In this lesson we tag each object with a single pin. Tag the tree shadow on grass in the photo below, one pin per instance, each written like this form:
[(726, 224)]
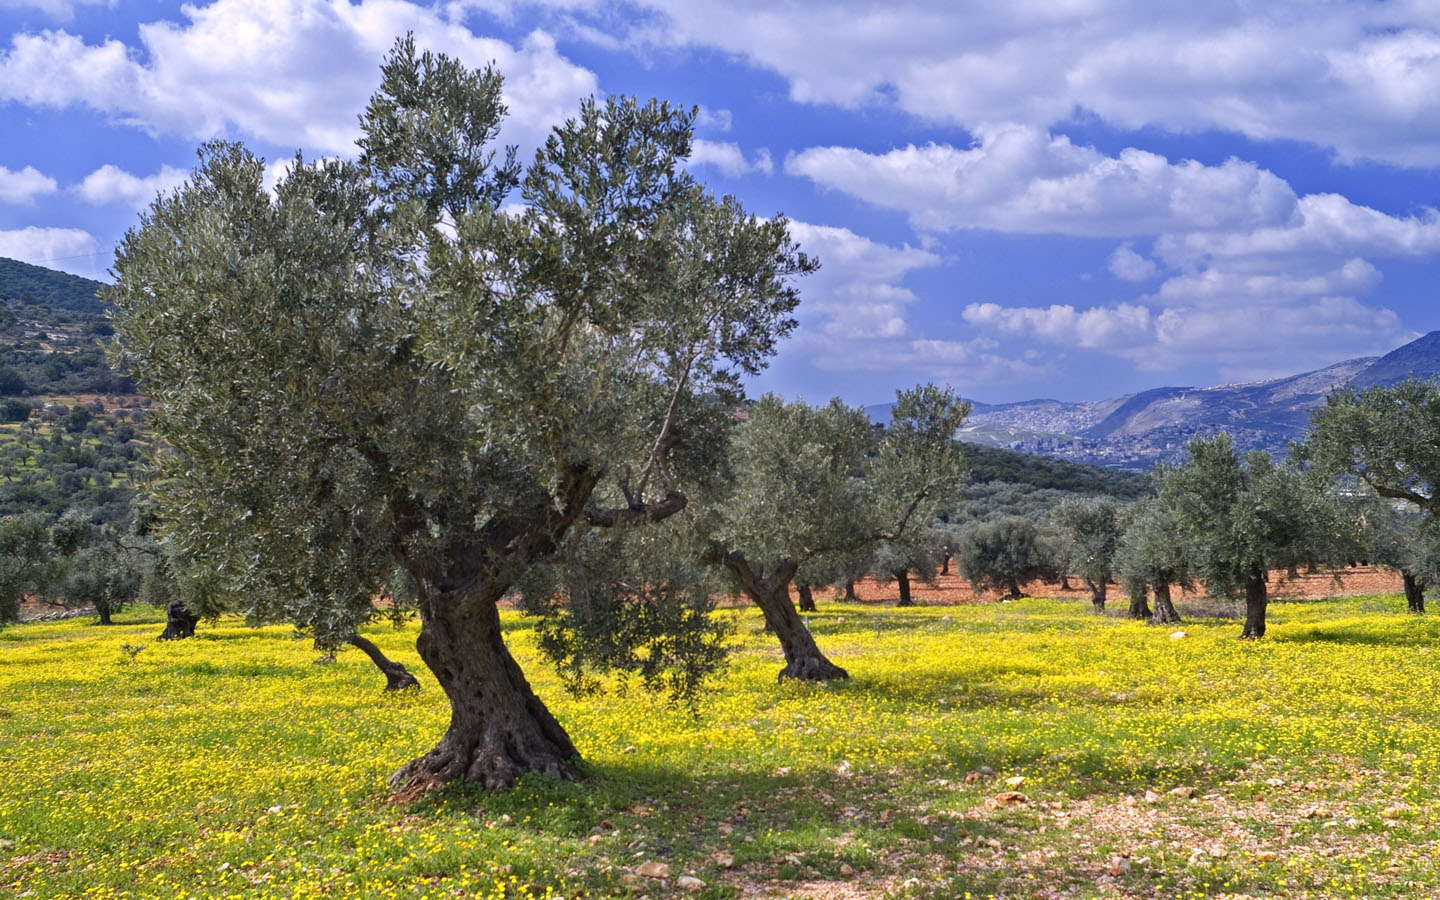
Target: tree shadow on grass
[(1425, 635)]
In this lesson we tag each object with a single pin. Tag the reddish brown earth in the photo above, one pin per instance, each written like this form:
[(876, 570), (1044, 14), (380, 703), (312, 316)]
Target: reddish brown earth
[(952, 589)]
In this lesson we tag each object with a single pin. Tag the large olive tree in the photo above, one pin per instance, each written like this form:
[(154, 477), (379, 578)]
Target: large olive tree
[(385, 363)]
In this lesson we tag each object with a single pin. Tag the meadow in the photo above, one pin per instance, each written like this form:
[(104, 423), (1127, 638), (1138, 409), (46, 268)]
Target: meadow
[(1025, 749)]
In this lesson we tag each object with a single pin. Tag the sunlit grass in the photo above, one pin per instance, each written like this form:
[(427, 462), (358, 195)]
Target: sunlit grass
[(232, 764)]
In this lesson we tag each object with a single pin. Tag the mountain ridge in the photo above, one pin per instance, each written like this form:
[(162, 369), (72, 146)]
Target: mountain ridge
[(1136, 431)]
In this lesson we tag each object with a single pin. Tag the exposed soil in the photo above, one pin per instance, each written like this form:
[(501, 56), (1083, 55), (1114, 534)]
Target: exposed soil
[(952, 589)]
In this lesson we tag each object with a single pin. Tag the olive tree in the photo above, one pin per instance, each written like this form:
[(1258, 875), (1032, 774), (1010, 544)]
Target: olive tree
[(1236, 518), (1002, 554), (383, 363), (810, 483), (1387, 438), (1091, 528), (29, 562), (1151, 555)]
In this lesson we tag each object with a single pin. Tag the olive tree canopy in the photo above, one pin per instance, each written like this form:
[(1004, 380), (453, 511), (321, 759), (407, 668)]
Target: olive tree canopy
[(379, 363)]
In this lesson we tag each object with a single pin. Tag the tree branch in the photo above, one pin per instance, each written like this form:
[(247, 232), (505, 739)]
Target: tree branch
[(637, 512)]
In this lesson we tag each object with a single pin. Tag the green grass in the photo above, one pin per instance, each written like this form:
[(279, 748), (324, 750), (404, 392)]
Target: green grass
[(232, 765)]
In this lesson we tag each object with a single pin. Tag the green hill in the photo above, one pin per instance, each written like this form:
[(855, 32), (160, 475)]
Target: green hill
[(23, 285)]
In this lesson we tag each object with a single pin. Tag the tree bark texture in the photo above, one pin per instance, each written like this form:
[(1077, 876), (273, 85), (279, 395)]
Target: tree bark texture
[(1139, 606), (499, 730), (179, 622), (850, 591), (1015, 592), (902, 578), (1165, 613), (103, 609), (1097, 594), (397, 677), (1414, 592), (807, 598), (803, 659), (1256, 599)]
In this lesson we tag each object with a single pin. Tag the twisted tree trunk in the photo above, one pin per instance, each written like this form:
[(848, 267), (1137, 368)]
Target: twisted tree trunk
[(179, 622), (1256, 600), (807, 597), (1097, 594), (1139, 606), (1414, 592), (902, 578), (397, 677), (1165, 613), (803, 659), (499, 730)]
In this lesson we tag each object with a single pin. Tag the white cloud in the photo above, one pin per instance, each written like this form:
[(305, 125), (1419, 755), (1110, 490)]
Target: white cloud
[(1019, 179), (857, 294), (728, 158), (1099, 327), (63, 10), (110, 184), (1128, 265), (24, 185), (714, 119), (1360, 77), (68, 249), (293, 73)]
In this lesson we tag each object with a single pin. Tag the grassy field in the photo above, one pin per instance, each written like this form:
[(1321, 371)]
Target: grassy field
[(1026, 749)]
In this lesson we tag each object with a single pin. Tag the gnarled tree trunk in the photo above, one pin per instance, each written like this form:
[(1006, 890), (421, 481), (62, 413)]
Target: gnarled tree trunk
[(902, 578), (1097, 594), (1015, 592), (850, 591), (103, 609), (1255, 602), (1414, 592), (1165, 613), (499, 730), (179, 622), (397, 677), (803, 659), (807, 597), (1139, 606)]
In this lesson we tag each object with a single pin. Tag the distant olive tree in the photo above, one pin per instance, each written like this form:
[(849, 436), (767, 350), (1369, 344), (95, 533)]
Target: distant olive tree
[(1091, 527), (1387, 440), (1151, 555), (29, 562), (1235, 517), (1002, 554), (811, 482)]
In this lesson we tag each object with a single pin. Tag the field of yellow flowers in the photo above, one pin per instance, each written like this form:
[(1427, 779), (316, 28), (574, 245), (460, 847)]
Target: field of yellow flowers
[(1026, 749)]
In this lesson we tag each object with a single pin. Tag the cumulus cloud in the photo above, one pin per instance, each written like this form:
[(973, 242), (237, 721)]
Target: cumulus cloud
[(56, 9), (729, 159), (1360, 77), (292, 73), (1024, 180), (857, 293), (110, 184), (25, 185), (68, 249), (1128, 265)]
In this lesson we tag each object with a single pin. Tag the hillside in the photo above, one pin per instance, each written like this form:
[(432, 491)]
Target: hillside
[(1138, 430), (23, 285)]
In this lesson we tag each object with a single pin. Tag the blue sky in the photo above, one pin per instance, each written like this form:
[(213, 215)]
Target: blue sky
[(1059, 198)]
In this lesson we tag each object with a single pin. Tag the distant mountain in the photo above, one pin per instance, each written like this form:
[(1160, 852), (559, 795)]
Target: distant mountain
[(22, 284), (1138, 430)]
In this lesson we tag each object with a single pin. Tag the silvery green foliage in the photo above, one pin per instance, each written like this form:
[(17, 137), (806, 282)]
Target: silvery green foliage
[(1002, 554), (380, 364), (1151, 550), (1091, 528), (1387, 437), (1236, 517), (29, 562)]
